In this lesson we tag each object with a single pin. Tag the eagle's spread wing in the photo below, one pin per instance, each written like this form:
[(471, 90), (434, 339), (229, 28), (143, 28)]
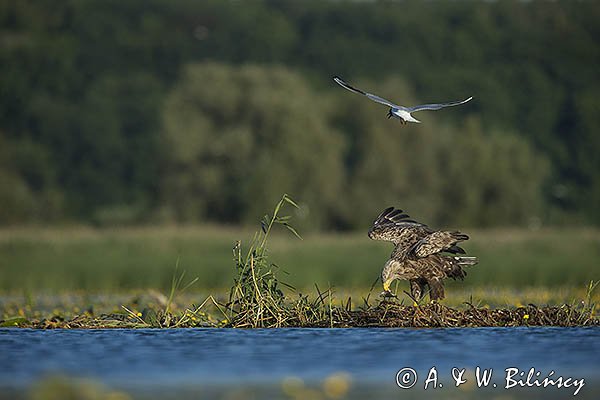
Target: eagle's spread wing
[(395, 226), (439, 241)]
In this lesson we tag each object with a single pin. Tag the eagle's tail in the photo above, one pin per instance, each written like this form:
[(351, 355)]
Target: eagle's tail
[(455, 268)]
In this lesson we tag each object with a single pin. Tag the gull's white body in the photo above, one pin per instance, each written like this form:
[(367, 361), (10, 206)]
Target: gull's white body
[(396, 111), (403, 115)]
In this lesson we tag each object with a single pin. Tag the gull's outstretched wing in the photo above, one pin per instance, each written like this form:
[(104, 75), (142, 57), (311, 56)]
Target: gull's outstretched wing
[(373, 97), (436, 106)]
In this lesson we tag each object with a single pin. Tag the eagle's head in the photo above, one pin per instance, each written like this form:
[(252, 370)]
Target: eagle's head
[(390, 272)]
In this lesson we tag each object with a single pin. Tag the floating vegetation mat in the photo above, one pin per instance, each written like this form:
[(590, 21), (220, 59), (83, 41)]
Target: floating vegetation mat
[(386, 314), (439, 316)]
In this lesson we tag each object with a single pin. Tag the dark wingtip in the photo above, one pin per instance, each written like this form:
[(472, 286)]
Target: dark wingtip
[(394, 215), (456, 250), (385, 212)]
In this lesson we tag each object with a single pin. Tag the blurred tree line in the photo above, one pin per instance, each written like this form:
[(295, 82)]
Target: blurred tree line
[(150, 110)]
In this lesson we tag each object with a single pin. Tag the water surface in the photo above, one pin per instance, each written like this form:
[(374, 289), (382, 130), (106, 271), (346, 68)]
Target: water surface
[(147, 362)]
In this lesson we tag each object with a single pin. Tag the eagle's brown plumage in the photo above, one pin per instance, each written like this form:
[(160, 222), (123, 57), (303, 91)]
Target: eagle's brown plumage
[(418, 254)]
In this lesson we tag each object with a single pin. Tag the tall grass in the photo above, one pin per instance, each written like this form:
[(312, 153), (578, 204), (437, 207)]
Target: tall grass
[(256, 299)]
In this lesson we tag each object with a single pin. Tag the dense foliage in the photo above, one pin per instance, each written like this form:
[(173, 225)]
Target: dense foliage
[(146, 110)]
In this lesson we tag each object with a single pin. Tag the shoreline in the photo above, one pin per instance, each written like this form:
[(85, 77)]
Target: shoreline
[(384, 315)]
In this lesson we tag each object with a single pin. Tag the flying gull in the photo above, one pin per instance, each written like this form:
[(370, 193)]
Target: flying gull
[(396, 111)]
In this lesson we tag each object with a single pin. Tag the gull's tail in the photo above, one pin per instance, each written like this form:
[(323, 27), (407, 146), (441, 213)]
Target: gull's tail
[(412, 119)]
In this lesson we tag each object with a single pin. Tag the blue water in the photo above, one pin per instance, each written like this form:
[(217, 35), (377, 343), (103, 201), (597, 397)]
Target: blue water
[(155, 362)]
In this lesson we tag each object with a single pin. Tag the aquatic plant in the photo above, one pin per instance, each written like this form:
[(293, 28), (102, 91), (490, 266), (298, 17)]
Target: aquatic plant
[(256, 299)]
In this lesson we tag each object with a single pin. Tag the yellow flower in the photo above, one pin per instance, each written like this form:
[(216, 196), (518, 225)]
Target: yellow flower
[(526, 316), (139, 314)]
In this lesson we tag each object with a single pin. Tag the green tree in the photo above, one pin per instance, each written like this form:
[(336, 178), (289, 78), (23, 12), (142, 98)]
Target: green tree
[(235, 138), (28, 190), (490, 179), (85, 82)]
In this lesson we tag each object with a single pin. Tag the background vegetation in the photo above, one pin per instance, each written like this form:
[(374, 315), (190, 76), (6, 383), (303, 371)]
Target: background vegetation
[(112, 261), (174, 125), (150, 111)]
